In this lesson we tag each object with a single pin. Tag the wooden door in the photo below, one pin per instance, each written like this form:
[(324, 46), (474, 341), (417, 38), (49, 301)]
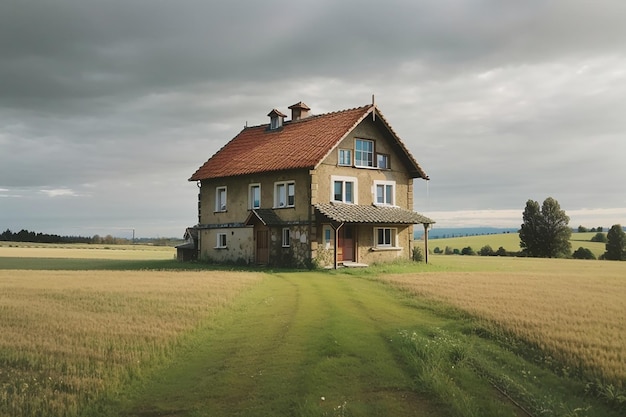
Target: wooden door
[(262, 246), (345, 244)]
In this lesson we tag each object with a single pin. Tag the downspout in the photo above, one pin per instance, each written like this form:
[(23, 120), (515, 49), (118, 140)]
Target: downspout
[(426, 242)]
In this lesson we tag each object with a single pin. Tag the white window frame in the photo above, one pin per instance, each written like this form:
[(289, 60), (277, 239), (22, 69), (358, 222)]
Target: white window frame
[(251, 189), (277, 197), (221, 206), (327, 237), (393, 236), (221, 241), (341, 159), (358, 161), (286, 238), (385, 158), (389, 197), (344, 180)]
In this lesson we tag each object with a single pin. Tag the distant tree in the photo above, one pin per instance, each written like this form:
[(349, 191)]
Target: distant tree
[(7, 235), (437, 250), (600, 229), (501, 251), (486, 251), (616, 244), (582, 229), (599, 237), (545, 232), (583, 253), (468, 251), (448, 250)]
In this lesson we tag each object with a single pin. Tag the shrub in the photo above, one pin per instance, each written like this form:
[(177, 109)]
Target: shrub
[(583, 253), (448, 250), (486, 251), (418, 256), (599, 237), (468, 251), (501, 252)]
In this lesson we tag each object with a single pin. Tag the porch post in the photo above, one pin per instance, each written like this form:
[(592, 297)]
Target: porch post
[(336, 263), (426, 242)]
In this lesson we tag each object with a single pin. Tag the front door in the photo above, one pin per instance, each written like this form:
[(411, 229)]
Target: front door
[(262, 237), (345, 244)]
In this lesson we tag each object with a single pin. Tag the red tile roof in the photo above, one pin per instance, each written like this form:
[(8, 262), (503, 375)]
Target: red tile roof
[(296, 145)]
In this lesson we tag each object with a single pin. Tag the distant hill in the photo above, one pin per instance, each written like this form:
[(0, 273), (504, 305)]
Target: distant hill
[(442, 233)]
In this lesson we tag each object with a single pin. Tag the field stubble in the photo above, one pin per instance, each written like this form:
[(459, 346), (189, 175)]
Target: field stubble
[(65, 334), (572, 310)]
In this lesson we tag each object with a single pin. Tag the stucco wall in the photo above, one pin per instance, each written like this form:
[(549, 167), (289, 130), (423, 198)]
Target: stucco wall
[(239, 245), (238, 204)]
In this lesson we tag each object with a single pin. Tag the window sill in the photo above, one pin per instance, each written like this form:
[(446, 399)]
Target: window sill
[(385, 248), (220, 211), (220, 247), (282, 207)]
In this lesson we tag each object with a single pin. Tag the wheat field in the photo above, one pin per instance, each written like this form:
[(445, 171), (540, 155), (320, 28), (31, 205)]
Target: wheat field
[(63, 334), (573, 310)]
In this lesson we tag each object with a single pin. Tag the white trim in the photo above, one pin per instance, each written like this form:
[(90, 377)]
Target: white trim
[(221, 206), (384, 184), (219, 244), (344, 179), (349, 164), (251, 198), (286, 184), (393, 238), (286, 233), (356, 164)]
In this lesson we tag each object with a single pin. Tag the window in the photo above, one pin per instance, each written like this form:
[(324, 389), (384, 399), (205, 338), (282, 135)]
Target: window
[(221, 240), (385, 236), (345, 157), (382, 161), (286, 237), (385, 193), (343, 189), (327, 237), (255, 196), (220, 199), (285, 194), (364, 153)]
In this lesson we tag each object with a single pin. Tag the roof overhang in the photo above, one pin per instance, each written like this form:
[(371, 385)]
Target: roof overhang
[(353, 213)]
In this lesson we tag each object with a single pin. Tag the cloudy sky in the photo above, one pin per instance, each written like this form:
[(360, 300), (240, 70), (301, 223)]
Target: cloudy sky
[(108, 107)]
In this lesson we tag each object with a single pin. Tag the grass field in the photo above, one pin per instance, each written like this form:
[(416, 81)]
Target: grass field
[(452, 338), (84, 251)]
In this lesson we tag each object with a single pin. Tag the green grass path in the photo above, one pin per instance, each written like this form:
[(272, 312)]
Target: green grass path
[(298, 344)]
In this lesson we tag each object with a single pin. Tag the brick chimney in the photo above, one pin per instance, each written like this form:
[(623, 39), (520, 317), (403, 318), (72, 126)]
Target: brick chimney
[(299, 111)]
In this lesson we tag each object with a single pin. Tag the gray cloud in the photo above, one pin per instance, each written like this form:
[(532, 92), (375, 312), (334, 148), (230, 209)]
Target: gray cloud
[(119, 102)]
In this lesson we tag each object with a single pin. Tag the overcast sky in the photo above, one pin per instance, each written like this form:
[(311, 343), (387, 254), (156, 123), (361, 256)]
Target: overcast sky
[(107, 107)]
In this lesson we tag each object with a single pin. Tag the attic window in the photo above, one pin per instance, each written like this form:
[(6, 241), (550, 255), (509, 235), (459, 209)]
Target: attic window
[(276, 119)]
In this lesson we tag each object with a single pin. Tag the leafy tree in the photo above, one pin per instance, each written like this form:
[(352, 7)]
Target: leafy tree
[(616, 244), (501, 251), (545, 232), (583, 253), (486, 251), (599, 237), (468, 251), (582, 229)]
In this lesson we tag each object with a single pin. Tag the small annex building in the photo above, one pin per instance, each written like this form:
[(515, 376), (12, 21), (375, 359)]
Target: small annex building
[(317, 190)]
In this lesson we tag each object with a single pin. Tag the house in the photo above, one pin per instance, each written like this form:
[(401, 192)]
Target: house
[(326, 190), (188, 250)]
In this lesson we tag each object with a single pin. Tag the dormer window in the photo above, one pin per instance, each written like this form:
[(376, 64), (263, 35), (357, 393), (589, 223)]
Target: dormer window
[(276, 119)]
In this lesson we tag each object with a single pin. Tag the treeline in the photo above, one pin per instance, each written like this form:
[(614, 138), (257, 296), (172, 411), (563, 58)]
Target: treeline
[(28, 236)]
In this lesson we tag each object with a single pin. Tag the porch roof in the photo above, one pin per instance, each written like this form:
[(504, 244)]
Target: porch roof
[(268, 217), (353, 213)]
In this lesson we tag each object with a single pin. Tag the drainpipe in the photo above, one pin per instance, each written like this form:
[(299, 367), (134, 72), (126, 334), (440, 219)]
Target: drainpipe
[(426, 242)]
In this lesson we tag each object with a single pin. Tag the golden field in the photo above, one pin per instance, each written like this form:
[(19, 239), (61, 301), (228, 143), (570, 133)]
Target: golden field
[(84, 251), (65, 336), (574, 310)]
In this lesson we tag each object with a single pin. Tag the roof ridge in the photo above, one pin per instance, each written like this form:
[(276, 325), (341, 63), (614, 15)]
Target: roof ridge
[(315, 116)]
